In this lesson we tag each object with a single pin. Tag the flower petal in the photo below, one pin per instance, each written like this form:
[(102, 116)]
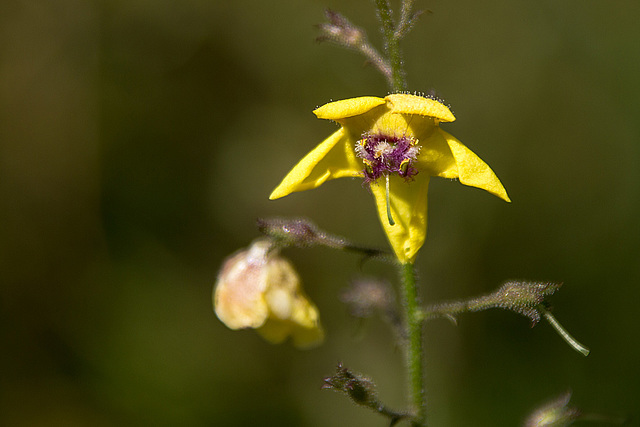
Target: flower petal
[(290, 310), (275, 330), (304, 336), (413, 104), (347, 107), (307, 331), (408, 202), (435, 156), (332, 158), (400, 125), (473, 171), (238, 296)]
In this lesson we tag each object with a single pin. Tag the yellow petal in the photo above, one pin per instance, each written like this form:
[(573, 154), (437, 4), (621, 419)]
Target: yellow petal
[(435, 156), (400, 125), (307, 331), (408, 202), (275, 330), (347, 107), (333, 158), (412, 104), (290, 311), (473, 171), (238, 297)]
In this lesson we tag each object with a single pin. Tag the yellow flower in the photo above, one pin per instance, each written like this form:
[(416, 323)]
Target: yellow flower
[(395, 144), (257, 288)]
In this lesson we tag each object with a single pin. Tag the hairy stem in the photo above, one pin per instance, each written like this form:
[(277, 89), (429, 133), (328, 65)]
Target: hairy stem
[(377, 60), (414, 349), (392, 44)]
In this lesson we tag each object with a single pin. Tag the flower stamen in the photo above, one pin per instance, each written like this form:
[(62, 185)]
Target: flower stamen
[(383, 155)]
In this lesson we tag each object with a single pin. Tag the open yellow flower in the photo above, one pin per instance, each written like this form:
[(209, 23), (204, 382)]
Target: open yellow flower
[(395, 144), (257, 288)]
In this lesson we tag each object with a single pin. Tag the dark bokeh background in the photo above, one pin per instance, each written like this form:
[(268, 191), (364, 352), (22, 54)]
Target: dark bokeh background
[(139, 141)]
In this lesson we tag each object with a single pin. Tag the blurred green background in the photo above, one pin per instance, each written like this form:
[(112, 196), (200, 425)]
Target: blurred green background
[(139, 141)]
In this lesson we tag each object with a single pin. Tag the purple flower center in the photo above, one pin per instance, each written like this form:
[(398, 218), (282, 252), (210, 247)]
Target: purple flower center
[(384, 155)]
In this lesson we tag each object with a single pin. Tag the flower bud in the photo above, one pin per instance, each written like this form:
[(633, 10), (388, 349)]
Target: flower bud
[(367, 295), (339, 30), (359, 388), (301, 232), (257, 288), (556, 413), (291, 231), (362, 391), (524, 297)]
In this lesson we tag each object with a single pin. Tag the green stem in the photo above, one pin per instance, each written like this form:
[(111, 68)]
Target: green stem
[(392, 43), (414, 351)]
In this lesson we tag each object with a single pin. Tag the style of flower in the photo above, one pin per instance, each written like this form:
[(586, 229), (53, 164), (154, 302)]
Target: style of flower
[(257, 288), (395, 144)]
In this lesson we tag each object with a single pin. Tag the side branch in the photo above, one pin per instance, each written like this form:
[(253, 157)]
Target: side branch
[(525, 298)]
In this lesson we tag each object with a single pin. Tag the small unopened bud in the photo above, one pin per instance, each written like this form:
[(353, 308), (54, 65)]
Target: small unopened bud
[(291, 231), (342, 32), (257, 288), (301, 232), (556, 413), (528, 299), (362, 391), (524, 297), (358, 387), (365, 296), (339, 30)]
